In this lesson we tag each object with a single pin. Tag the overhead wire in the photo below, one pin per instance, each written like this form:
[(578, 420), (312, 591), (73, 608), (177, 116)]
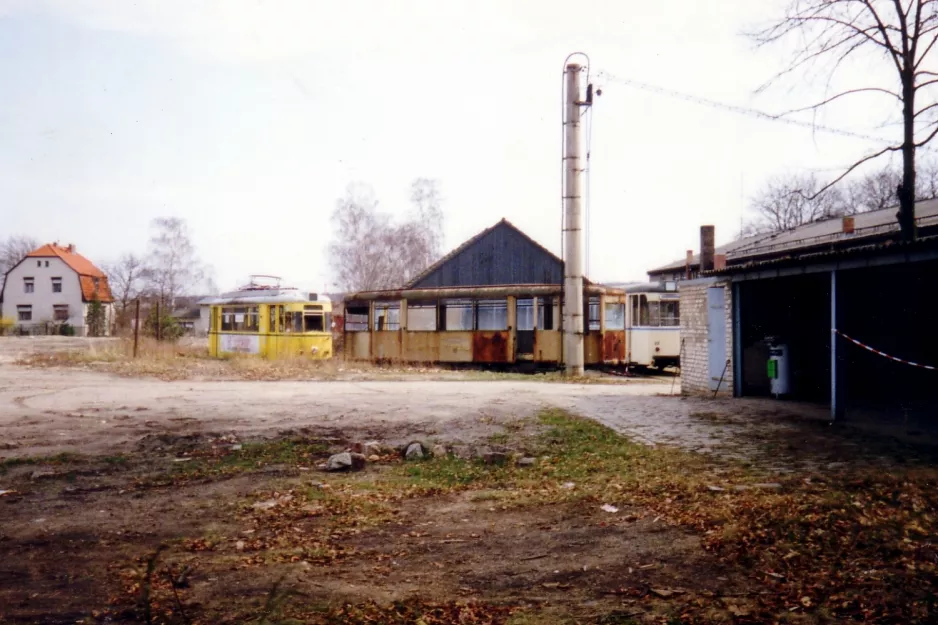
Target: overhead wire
[(742, 110)]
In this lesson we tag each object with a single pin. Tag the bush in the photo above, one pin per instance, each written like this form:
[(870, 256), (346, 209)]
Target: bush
[(6, 325), (169, 329), (67, 330)]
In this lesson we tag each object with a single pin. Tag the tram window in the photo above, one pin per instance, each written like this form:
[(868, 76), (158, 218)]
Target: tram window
[(421, 316), (615, 316), (636, 318), (252, 320), (313, 323), (492, 314), (457, 315), (525, 314), (387, 316), (272, 319), (545, 313), (594, 314), (644, 318), (654, 314), (297, 321), (356, 319), (670, 313)]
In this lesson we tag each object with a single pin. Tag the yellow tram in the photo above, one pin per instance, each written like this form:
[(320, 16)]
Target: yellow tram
[(271, 322)]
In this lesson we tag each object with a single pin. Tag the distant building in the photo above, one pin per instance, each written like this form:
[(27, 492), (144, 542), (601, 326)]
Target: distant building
[(54, 286)]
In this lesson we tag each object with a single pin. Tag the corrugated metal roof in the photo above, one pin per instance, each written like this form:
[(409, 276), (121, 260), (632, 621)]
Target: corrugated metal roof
[(889, 245), (828, 231)]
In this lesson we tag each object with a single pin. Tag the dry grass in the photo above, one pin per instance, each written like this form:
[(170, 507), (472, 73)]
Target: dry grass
[(189, 360)]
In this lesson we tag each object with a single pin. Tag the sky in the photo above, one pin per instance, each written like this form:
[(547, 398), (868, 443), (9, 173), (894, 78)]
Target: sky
[(248, 118)]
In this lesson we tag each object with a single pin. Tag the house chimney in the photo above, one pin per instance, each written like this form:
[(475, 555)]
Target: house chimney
[(706, 248), (719, 261), (687, 263), (70, 249), (849, 225)]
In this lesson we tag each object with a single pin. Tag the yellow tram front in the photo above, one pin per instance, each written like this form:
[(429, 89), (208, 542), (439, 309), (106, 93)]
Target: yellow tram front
[(276, 324)]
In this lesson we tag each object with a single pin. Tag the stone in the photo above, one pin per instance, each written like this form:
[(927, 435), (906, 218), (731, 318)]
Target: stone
[(265, 505), (372, 448), (526, 462), (438, 451), (345, 461), (495, 458), (339, 462), (239, 545), (374, 458), (414, 451), (716, 489)]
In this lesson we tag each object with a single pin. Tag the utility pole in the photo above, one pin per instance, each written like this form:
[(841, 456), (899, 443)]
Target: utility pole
[(573, 222)]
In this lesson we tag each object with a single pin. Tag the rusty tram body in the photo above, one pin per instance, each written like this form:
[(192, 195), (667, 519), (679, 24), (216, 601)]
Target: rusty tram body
[(494, 325)]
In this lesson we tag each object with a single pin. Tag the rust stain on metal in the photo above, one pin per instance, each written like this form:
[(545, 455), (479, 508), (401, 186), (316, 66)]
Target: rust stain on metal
[(613, 345), (490, 347)]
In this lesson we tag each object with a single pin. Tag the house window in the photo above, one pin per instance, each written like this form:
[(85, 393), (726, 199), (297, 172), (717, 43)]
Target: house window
[(47, 263), (56, 285), (60, 312), (24, 313), (29, 285), (39, 263), (387, 316)]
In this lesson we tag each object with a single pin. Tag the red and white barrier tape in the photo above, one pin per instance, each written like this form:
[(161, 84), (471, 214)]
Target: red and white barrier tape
[(884, 354)]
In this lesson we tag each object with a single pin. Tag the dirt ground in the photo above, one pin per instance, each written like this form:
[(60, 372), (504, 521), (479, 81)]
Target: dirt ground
[(100, 471)]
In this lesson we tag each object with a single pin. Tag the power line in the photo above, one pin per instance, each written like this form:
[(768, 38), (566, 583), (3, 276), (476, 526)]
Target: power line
[(741, 110)]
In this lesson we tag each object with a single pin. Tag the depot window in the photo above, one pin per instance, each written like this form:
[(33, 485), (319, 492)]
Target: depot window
[(456, 315), (545, 313), (492, 314), (421, 316), (593, 315), (387, 316), (525, 314), (356, 319), (615, 316)]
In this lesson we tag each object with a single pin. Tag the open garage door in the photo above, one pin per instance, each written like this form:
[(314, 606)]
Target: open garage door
[(794, 312)]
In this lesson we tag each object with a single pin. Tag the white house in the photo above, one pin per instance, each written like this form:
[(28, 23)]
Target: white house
[(53, 286)]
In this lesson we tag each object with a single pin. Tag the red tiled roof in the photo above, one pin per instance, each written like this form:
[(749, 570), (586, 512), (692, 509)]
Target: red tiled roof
[(93, 281)]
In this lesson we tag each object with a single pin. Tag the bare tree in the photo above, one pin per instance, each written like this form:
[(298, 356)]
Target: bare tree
[(370, 251), (902, 33), (127, 277), (174, 267), (13, 249), (428, 212), (789, 202)]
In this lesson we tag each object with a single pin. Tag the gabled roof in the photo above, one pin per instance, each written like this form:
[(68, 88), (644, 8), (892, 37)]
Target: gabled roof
[(471, 241), (93, 281)]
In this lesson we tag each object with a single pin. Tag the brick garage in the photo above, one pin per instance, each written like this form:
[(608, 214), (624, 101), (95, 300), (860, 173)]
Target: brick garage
[(697, 374)]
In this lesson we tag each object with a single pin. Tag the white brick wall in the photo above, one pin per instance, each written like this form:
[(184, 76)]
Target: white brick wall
[(695, 359)]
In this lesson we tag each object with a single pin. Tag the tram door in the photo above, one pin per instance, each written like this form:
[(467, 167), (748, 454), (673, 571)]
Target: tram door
[(524, 332)]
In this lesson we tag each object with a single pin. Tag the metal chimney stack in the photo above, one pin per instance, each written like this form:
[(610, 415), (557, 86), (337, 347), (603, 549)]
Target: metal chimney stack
[(573, 224)]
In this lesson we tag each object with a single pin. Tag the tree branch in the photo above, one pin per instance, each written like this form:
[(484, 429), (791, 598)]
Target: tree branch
[(929, 138), (839, 95), (882, 29), (929, 107), (865, 159)]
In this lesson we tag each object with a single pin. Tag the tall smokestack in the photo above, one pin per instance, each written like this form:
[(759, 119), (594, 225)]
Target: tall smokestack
[(573, 224), (707, 248), (689, 260)]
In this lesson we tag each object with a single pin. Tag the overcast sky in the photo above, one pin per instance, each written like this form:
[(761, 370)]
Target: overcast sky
[(248, 118)]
